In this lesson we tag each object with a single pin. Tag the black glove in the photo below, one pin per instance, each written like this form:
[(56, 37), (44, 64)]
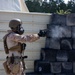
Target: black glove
[(42, 33)]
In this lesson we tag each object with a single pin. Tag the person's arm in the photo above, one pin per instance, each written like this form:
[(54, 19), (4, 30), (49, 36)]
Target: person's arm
[(24, 38), (28, 38)]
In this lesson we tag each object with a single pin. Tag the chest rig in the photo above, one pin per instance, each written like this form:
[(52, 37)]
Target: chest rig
[(19, 47)]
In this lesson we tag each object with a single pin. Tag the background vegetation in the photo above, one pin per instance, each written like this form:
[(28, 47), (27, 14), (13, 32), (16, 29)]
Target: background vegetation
[(51, 7)]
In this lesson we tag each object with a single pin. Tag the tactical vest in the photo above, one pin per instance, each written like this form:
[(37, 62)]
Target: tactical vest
[(20, 47)]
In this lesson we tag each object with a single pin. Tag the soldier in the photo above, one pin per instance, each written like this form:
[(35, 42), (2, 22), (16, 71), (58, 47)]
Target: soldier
[(14, 44)]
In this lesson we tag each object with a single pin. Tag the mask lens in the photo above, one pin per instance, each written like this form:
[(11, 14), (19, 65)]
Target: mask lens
[(20, 30)]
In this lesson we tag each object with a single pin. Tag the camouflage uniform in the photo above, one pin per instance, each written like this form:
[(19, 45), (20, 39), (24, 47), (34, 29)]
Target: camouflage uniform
[(16, 68)]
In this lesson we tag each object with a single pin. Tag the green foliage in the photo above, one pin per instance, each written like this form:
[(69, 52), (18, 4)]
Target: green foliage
[(53, 6), (33, 6), (63, 12)]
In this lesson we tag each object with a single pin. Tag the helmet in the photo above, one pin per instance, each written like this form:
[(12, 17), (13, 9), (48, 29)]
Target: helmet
[(14, 23)]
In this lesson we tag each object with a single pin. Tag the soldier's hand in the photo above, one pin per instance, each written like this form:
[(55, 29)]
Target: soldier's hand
[(42, 33)]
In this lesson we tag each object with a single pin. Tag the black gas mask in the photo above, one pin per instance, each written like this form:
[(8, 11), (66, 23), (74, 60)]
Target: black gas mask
[(19, 30)]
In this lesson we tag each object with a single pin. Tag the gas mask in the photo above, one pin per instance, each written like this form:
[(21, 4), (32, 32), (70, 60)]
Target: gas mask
[(19, 30)]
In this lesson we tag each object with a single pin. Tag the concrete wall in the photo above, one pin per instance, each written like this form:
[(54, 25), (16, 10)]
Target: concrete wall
[(32, 23)]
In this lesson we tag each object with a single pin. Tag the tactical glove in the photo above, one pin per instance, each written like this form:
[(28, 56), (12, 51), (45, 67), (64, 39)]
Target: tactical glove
[(42, 33)]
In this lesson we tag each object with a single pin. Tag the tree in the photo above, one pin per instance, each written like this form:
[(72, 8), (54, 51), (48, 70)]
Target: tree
[(71, 6), (45, 7), (62, 6), (33, 6), (53, 6)]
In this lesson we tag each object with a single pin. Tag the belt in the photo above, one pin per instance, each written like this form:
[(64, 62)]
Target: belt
[(13, 60), (19, 57)]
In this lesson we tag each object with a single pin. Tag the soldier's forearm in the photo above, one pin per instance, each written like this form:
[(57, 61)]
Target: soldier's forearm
[(33, 38)]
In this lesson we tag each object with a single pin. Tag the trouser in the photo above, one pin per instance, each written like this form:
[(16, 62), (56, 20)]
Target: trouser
[(15, 68)]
